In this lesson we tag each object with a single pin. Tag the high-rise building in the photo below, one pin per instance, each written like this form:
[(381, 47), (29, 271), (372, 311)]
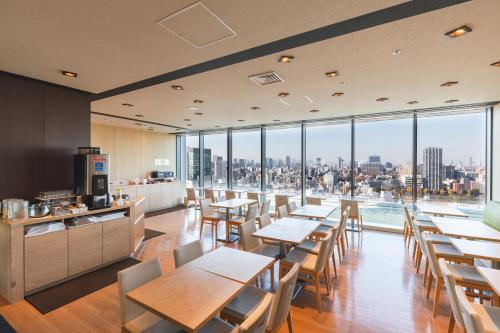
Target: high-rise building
[(340, 162), (287, 163), (374, 159), (433, 167), (193, 163)]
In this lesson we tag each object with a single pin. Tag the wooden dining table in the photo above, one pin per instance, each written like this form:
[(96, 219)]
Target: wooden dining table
[(465, 228), (233, 264), (229, 205), (440, 210), (313, 211), (478, 249), (492, 276), (188, 296)]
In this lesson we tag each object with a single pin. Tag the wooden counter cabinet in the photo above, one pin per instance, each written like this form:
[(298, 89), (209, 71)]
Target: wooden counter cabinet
[(115, 239), (84, 247)]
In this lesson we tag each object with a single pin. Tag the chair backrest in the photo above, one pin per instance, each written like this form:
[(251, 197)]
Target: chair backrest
[(354, 207), (343, 221), (265, 220), (282, 299), (292, 206), (313, 201), (282, 211), (472, 321), (187, 252), (210, 194), (248, 242), (432, 259), (324, 249), (191, 195), (230, 195), (256, 321), (264, 209), (491, 214), (450, 283), (132, 278), (407, 215), (252, 213), (253, 196), (280, 200), (206, 209)]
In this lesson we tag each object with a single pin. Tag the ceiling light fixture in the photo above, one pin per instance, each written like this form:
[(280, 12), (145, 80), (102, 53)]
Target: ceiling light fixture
[(193, 108), (198, 101), (255, 108), (332, 74), (189, 125), (337, 94), (314, 111), (241, 120), (198, 113), (496, 64), (216, 126), (382, 99), (139, 116), (175, 87), (412, 102), (458, 32), (286, 59), (396, 51), (451, 101), (151, 129), (283, 94), (128, 105), (276, 120), (69, 74), (138, 124), (449, 83), (187, 119)]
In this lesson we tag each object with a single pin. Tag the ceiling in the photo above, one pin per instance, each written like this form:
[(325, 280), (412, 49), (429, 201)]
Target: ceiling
[(123, 44)]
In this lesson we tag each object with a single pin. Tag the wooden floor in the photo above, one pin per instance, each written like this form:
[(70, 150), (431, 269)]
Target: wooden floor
[(376, 291)]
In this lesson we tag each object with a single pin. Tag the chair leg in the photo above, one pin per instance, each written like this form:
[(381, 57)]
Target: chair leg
[(271, 270), (429, 284), (437, 294), (326, 273), (419, 261), (346, 239), (334, 265), (342, 245), (289, 321), (414, 248), (201, 228), (426, 270), (451, 324), (410, 234), (318, 294), (338, 251)]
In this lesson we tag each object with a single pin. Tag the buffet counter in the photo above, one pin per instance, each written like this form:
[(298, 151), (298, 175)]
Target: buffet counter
[(34, 256)]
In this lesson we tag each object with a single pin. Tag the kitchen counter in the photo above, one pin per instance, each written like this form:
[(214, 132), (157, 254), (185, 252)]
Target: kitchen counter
[(158, 196)]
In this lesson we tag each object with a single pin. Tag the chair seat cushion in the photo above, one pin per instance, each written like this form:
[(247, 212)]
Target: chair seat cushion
[(309, 246), (467, 273), (242, 306), (447, 251), (215, 216), (323, 229), (150, 323), (436, 238), (306, 260), (268, 250), (216, 325), (426, 224), (329, 223), (238, 220), (490, 317)]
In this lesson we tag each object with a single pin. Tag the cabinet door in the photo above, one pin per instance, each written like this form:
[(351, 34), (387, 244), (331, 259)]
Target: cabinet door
[(45, 259), (85, 247), (166, 195), (178, 193), (142, 191), (154, 192), (115, 239)]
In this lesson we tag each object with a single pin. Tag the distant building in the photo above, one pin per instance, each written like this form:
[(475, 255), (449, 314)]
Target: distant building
[(340, 162), (433, 166), (374, 159)]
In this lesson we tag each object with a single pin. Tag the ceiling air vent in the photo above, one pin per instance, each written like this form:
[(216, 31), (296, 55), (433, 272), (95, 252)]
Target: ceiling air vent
[(265, 79)]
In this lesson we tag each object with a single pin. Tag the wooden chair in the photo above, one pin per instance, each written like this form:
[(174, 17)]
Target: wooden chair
[(313, 201), (355, 214), (291, 206), (254, 245), (265, 220), (191, 197), (264, 209), (283, 211), (478, 318), (280, 200), (210, 194), (254, 196), (210, 216), (243, 305), (230, 195), (251, 215), (187, 252), (450, 283), (312, 266)]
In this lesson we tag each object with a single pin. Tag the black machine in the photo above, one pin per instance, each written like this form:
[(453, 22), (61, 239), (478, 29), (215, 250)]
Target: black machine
[(162, 174), (91, 179)]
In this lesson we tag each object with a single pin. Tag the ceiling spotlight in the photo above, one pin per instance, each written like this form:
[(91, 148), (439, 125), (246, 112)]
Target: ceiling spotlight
[(177, 87), (127, 105), (449, 83), (255, 108), (283, 94), (276, 120), (332, 74), (314, 111), (139, 116), (396, 51), (216, 126), (412, 102), (382, 99), (198, 113), (187, 119), (69, 74), (193, 108), (496, 64), (451, 101), (458, 32), (178, 129), (138, 124), (241, 120), (198, 101), (151, 129), (286, 59), (189, 125), (342, 83), (337, 94)]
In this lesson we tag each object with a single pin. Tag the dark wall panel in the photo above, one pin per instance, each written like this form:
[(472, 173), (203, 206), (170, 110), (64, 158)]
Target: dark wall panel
[(41, 126)]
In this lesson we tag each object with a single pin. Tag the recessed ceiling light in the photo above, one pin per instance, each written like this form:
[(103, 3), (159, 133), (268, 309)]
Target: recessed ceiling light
[(151, 129), (283, 94), (198, 113), (193, 108), (451, 101), (198, 101), (189, 125), (107, 119), (276, 120), (382, 99), (396, 51), (314, 111), (139, 124), (342, 83), (241, 120), (177, 129), (332, 74), (337, 94), (69, 74), (175, 87), (458, 32), (216, 126), (187, 119), (128, 105), (139, 115), (286, 59), (255, 108), (412, 102), (449, 83), (496, 64)]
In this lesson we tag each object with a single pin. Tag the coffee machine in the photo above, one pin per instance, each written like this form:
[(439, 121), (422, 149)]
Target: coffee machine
[(91, 177)]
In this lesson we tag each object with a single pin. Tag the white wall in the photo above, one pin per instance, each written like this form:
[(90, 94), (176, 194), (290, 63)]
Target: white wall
[(496, 153), (133, 152)]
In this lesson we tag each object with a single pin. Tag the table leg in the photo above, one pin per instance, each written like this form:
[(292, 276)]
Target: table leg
[(230, 238), (282, 250)]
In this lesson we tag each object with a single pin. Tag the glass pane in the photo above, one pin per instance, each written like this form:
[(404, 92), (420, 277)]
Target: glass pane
[(452, 159), (283, 162), (383, 172), (328, 167), (246, 159), (215, 160), (192, 160)]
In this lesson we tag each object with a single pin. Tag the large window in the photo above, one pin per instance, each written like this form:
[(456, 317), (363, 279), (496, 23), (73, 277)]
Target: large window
[(328, 161), (246, 159), (192, 161), (215, 159), (451, 158)]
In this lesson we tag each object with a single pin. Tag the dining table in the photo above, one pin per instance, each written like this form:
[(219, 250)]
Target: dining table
[(492, 276), (440, 210), (313, 211), (228, 206), (465, 228), (478, 249)]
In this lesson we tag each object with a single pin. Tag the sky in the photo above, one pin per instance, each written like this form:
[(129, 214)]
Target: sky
[(460, 136)]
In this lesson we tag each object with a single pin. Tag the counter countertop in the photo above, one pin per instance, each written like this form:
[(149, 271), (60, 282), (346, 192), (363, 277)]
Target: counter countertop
[(134, 185)]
